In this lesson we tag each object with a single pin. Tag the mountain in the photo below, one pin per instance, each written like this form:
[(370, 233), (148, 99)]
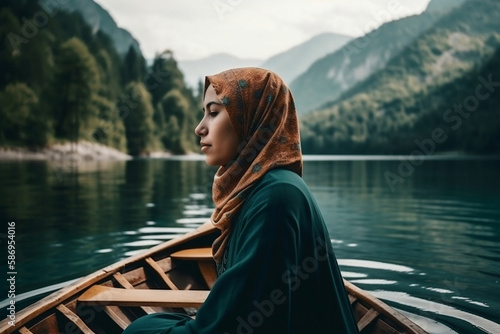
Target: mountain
[(291, 63), (196, 70), (335, 73), (440, 93), (99, 19), (443, 5), (288, 64)]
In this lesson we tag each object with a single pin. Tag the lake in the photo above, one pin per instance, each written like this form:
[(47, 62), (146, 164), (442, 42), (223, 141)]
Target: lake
[(425, 238)]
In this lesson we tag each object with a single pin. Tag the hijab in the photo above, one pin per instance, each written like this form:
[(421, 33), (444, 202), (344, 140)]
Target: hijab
[(263, 115)]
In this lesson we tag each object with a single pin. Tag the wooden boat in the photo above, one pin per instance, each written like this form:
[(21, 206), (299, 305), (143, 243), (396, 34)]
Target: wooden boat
[(175, 276)]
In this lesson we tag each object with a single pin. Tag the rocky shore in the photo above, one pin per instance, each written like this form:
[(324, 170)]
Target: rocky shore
[(81, 151)]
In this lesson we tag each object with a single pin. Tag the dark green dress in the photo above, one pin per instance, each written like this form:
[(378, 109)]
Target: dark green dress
[(279, 273)]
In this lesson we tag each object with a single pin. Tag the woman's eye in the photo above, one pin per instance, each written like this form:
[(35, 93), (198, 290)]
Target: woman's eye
[(213, 113)]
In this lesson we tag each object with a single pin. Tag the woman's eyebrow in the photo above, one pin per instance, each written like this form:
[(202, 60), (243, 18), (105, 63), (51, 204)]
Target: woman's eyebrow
[(210, 103)]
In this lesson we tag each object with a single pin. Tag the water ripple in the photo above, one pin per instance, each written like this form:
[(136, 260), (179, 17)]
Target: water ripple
[(374, 265), (145, 230), (437, 308), (374, 281), (192, 220), (142, 243)]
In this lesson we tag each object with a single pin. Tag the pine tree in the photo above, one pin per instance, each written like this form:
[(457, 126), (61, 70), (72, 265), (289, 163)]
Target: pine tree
[(21, 123), (138, 119), (110, 130), (134, 67), (77, 82)]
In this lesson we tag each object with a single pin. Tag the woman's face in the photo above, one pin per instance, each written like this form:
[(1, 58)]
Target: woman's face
[(218, 141)]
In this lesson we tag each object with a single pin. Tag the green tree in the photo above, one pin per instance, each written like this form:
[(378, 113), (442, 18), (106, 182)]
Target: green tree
[(110, 86), (176, 108), (110, 130), (138, 119), (134, 67), (77, 82), (21, 122), (78, 79), (169, 76), (9, 30)]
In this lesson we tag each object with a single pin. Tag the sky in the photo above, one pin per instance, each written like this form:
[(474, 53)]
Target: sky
[(248, 29)]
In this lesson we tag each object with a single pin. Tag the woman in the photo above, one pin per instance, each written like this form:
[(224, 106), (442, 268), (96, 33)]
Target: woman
[(277, 271)]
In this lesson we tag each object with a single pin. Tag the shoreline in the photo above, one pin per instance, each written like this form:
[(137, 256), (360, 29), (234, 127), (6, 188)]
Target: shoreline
[(86, 151), (81, 151)]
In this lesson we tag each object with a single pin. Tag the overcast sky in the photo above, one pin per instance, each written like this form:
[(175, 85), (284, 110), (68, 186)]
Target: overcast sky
[(194, 29)]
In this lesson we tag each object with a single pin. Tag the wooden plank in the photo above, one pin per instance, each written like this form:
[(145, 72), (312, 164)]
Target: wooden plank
[(120, 279), (74, 319), (382, 327), (56, 298), (193, 254), (205, 260), (208, 272), (156, 267), (404, 324), (367, 319), (138, 276), (135, 276), (124, 283), (100, 295), (117, 316), (359, 310), (24, 330), (352, 299), (48, 325)]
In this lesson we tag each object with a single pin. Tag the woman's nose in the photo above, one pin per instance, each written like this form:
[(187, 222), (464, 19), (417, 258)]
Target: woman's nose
[(200, 130)]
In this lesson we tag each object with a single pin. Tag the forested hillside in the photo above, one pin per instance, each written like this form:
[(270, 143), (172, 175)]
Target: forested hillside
[(339, 71), (291, 63), (99, 19), (62, 80), (335, 73), (448, 79)]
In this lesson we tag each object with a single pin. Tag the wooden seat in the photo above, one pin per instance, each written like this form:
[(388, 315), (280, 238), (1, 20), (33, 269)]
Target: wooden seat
[(205, 261), (102, 295), (194, 254)]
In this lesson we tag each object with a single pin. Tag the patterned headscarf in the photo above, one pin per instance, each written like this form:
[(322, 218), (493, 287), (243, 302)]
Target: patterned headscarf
[(262, 112)]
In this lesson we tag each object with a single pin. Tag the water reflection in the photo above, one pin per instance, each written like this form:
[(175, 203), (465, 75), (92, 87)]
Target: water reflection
[(443, 223), (464, 320), (430, 247)]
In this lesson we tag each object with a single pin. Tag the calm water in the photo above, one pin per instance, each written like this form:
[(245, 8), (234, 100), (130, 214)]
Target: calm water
[(429, 247)]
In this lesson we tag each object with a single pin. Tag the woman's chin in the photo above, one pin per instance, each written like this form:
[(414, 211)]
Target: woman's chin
[(210, 161), (216, 162)]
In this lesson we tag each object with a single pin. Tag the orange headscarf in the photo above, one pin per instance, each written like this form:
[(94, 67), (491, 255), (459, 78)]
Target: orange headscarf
[(263, 115)]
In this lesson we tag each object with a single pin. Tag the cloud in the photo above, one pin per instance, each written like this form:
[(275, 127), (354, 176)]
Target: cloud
[(247, 29)]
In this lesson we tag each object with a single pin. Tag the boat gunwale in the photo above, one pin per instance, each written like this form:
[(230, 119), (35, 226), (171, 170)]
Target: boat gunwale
[(76, 288), (382, 308)]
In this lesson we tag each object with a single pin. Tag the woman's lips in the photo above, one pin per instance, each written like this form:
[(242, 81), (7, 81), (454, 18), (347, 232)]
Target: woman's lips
[(205, 146)]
